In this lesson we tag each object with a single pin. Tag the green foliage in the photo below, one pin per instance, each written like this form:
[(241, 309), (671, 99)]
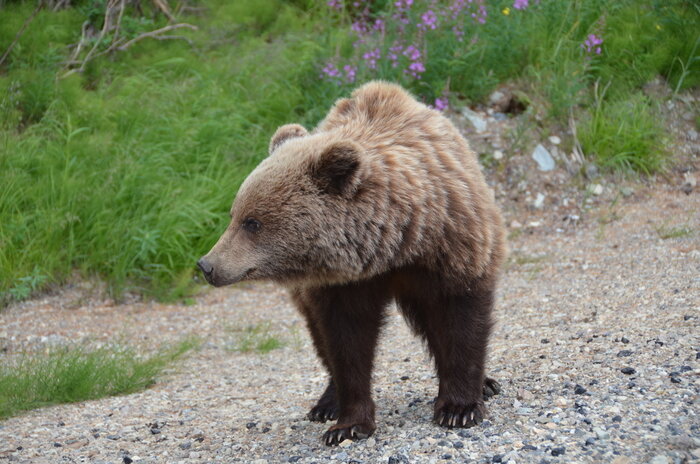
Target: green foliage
[(257, 338), (75, 373), (623, 135), (127, 169)]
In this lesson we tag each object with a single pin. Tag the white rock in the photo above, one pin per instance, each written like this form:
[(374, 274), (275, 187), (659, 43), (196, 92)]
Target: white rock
[(371, 442), (554, 139), (596, 189), (659, 459), (544, 160), (477, 121), (539, 201), (497, 155)]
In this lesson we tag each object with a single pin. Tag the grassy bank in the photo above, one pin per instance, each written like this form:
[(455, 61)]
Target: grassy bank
[(125, 169), (70, 374)]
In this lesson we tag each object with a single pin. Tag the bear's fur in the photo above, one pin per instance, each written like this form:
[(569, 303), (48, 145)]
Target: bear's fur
[(383, 201)]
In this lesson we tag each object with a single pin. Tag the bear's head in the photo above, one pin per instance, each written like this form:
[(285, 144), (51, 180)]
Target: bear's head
[(288, 221)]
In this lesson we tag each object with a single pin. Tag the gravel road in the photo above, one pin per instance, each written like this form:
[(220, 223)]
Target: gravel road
[(597, 347)]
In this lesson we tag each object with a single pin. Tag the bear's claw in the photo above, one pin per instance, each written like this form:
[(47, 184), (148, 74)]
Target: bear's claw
[(323, 412), (454, 415), (337, 434), (491, 388)]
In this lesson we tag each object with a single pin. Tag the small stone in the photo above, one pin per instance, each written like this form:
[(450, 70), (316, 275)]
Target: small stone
[(554, 140), (185, 445), (525, 395), (539, 201), (617, 419), (113, 437), (600, 433), (477, 121), (659, 459), (621, 460), (258, 461), (590, 441), (628, 370), (446, 456), (624, 340), (676, 379), (544, 160), (405, 377), (579, 390), (127, 460), (528, 448), (596, 189), (624, 353), (344, 444), (57, 445), (497, 458), (558, 451), (371, 442), (515, 225), (591, 171), (250, 425), (497, 155), (458, 445), (627, 191)]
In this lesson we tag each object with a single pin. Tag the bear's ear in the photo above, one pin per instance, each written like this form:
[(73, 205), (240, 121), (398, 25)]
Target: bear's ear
[(284, 133), (338, 170)]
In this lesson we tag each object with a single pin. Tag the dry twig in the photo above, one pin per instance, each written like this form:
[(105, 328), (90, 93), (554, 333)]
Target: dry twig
[(38, 8)]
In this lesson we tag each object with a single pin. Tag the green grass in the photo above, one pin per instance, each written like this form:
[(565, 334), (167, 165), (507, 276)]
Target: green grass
[(666, 232), (255, 338), (125, 171), (70, 374)]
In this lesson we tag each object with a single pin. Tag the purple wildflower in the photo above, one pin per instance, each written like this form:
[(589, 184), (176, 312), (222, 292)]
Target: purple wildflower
[(371, 58), (520, 4), (335, 4), (350, 73), (428, 20), (412, 53), (592, 44), (441, 103), (330, 71), (393, 54), (415, 69)]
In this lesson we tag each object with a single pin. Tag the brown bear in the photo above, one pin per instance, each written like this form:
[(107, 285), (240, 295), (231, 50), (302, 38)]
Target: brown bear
[(384, 201)]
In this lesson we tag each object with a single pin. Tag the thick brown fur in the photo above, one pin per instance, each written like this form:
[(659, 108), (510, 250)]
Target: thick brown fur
[(383, 201)]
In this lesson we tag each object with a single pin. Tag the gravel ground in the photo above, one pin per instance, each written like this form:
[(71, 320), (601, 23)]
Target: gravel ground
[(597, 347)]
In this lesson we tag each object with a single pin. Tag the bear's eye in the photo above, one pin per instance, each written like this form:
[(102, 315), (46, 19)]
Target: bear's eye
[(252, 225)]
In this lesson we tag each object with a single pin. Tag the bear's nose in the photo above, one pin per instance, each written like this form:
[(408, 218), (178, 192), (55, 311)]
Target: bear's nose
[(205, 266)]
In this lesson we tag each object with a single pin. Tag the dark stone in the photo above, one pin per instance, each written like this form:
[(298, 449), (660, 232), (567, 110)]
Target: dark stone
[(628, 370), (617, 419), (686, 368), (155, 431), (294, 459), (593, 382), (458, 445), (624, 340), (590, 441), (113, 437), (558, 451), (405, 377), (265, 429), (544, 341), (687, 317), (446, 456), (497, 458), (185, 445), (624, 353), (250, 425), (675, 379), (579, 390), (528, 448), (127, 460), (57, 445)]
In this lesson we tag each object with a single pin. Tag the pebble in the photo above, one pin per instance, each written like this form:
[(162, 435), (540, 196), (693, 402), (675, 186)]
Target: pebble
[(477, 121), (659, 459), (596, 189), (555, 140), (628, 370), (544, 160), (601, 434), (579, 390), (624, 353), (558, 451)]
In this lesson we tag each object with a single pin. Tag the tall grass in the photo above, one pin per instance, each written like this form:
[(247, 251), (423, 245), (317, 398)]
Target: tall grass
[(70, 374), (126, 171)]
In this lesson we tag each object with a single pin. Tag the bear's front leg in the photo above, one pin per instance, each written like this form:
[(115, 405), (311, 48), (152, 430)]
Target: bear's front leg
[(350, 318)]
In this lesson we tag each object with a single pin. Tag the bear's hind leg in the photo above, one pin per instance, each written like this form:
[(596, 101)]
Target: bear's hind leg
[(456, 327)]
